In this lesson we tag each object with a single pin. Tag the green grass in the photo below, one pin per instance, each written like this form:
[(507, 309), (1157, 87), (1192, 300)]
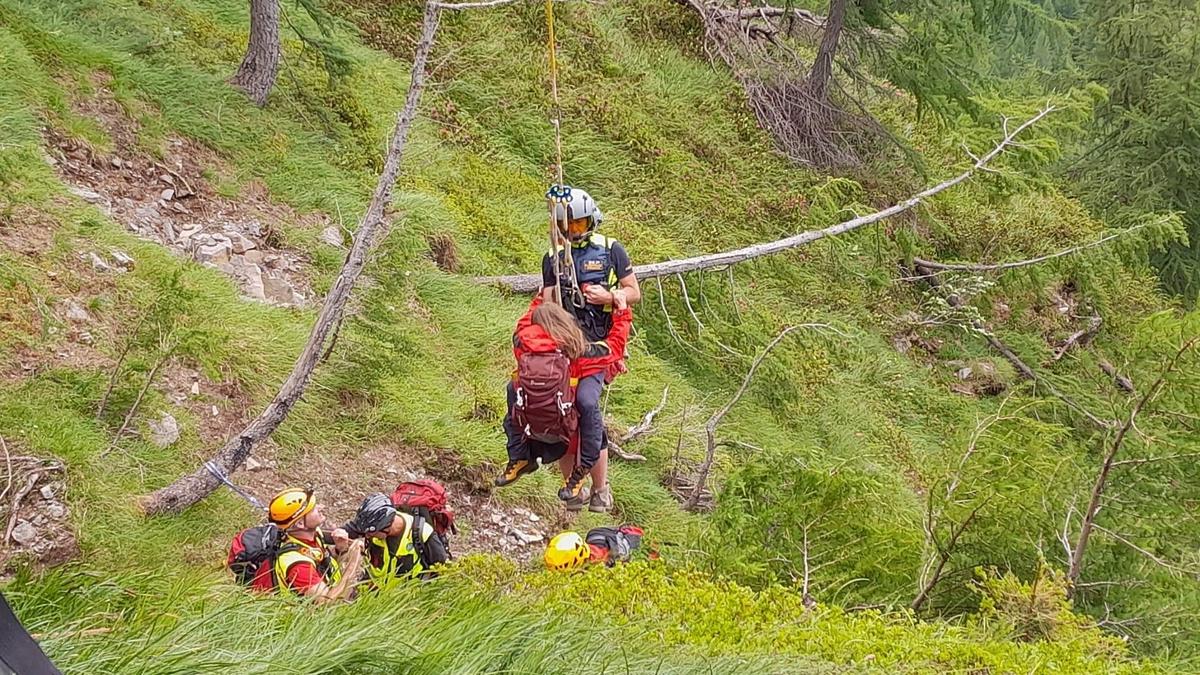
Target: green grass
[(668, 147)]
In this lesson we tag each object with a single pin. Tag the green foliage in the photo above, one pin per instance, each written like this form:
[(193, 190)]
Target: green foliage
[(686, 608), (857, 439), (1145, 151)]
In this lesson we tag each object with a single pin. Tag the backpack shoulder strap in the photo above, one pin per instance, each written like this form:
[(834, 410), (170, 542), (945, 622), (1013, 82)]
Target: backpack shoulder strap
[(418, 529)]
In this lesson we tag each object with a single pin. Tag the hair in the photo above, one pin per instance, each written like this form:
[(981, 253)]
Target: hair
[(562, 327)]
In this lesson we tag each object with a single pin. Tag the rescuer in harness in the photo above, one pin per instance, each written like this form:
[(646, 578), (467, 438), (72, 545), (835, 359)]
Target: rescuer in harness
[(599, 271), (542, 422), (307, 562), (399, 545)]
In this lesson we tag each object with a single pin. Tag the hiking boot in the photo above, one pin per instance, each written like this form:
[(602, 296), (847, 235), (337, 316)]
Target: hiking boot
[(515, 469), (576, 504), (574, 485), (601, 501)]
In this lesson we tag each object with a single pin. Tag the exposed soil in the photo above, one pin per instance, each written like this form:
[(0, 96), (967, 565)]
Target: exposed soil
[(169, 200), (34, 518), (342, 481)]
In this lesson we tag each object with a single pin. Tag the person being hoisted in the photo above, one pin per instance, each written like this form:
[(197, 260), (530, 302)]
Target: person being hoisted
[(587, 274)]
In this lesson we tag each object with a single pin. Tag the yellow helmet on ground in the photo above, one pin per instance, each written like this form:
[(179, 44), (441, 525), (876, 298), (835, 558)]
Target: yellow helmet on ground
[(567, 551), (290, 506)]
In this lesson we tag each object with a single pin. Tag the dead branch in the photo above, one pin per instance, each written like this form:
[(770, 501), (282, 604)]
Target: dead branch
[(1080, 337), (645, 426), (30, 481), (944, 554), (710, 428), (1123, 383), (112, 380), (615, 449), (451, 6), (528, 283), (8, 472), (190, 489), (1106, 466), (763, 12), (806, 598), (137, 402), (637, 431), (1023, 368), (40, 466), (1151, 460), (996, 267)]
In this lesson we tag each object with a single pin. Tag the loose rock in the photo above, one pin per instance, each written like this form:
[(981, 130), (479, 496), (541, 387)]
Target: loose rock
[(77, 313), (90, 196), (56, 511), (123, 259), (47, 493), (24, 533), (165, 431), (332, 236), (98, 263)]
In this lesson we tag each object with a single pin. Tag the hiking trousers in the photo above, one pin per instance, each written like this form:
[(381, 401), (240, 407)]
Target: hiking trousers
[(591, 427)]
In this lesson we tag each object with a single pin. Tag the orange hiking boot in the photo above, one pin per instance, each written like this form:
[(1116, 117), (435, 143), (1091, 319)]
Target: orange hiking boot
[(573, 489), (515, 469)]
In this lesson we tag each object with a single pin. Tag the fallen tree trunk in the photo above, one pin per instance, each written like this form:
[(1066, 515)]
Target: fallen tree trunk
[(189, 489), (528, 283)]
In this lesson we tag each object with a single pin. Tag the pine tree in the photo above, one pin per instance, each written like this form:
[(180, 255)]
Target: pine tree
[(1146, 157)]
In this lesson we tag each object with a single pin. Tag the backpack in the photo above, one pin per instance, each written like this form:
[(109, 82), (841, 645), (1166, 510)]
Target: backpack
[(426, 500), (544, 409), (613, 545), (252, 556)]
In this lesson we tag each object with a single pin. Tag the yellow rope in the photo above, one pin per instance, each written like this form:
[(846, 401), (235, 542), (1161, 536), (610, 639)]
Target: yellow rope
[(557, 240), (553, 58)]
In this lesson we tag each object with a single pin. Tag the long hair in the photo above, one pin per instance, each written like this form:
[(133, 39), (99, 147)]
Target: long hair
[(562, 327)]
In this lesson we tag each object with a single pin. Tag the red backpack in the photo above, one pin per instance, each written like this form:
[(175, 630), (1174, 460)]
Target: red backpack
[(544, 410), (252, 557), (427, 498)]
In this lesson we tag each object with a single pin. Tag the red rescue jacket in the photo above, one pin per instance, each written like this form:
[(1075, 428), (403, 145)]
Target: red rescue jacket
[(597, 357)]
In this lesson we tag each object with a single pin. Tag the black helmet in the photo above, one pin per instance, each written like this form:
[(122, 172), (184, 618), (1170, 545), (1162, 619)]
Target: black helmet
[(375, 514)]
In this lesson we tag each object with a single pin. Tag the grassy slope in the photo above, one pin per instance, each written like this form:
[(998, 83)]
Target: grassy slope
[(660, 138)]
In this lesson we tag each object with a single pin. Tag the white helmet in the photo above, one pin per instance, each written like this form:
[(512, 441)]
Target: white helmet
[(574, 204)]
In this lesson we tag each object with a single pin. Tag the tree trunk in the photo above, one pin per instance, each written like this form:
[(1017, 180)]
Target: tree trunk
[(189, 489), (822, 68), (260, 66)]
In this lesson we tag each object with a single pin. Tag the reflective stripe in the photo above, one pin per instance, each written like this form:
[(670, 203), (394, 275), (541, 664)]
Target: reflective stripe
[(298, 552), (388, 572)]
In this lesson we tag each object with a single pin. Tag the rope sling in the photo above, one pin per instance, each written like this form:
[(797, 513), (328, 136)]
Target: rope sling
[(559, 194)]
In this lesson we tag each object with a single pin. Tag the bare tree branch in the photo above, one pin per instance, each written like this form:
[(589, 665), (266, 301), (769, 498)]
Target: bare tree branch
[(1151, 460), (1106, 466), (995, 267), (645, 426), (528, 283), (1080, 337), (1153, 558), (1123, 383), (710, 428), (188, 490)]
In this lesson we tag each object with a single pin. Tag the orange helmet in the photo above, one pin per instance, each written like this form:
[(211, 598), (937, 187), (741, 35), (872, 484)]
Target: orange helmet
[(289, 506)]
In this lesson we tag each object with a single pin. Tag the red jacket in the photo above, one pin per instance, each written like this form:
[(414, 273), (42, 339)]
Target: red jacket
[(597, 357)]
